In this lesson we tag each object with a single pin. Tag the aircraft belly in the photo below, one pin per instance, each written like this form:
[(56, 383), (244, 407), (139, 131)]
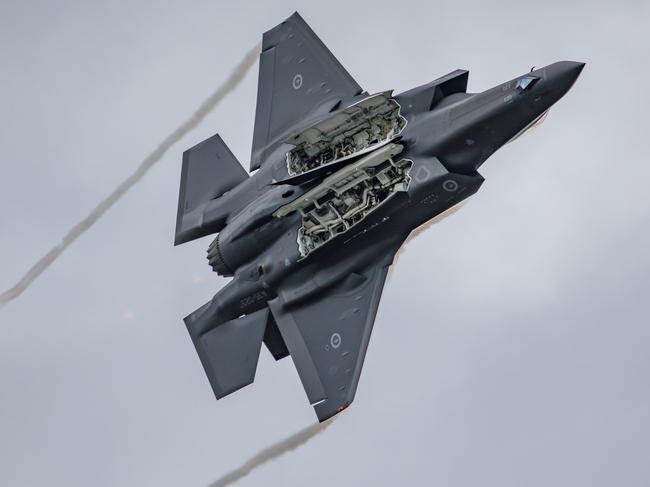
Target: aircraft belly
[(344, 199)]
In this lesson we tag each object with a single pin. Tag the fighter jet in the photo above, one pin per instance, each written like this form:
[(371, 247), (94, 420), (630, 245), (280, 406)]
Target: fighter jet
[(338, 180)]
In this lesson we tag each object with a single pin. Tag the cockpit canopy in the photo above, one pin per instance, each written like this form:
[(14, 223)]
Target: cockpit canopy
[(525, 83)]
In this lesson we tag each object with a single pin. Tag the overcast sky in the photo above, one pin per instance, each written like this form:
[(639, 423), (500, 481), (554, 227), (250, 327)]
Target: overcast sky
[(512, 343)]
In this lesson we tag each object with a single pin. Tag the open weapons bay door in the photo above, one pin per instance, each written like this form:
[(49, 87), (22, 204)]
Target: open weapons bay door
[(298, 75)]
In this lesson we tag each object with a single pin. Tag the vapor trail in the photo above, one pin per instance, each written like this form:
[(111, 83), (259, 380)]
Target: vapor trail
[(80, 228), (272, 452)]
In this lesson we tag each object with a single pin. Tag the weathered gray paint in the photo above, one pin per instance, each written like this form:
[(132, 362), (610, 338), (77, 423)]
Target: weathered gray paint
[(330, 297)]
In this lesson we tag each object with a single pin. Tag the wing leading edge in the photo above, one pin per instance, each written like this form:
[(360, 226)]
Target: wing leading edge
[(297, 75), (327, 337)]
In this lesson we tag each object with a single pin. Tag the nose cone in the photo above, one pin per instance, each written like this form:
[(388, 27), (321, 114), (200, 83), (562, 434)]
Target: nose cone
[(577, 66), (570, 70), (563, 74)]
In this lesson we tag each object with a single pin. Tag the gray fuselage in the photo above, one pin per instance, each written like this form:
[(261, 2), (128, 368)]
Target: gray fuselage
[(448, 137)]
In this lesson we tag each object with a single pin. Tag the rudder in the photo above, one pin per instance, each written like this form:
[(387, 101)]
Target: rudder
[(209, 170)]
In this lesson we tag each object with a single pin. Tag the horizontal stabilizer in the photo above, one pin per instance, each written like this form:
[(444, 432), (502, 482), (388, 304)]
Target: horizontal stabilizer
[(209, 170), (229, 352)]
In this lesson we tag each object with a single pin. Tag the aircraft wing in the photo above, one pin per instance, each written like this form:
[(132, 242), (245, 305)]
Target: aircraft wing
[(327, 336), (297, 75)]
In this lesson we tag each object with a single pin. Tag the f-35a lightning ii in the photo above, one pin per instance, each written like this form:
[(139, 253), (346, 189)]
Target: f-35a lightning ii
[(341, 179)]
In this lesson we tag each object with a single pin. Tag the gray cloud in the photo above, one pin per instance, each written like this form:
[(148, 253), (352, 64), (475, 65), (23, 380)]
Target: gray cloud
[(209, 104), (511, 344), (272, 452)]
